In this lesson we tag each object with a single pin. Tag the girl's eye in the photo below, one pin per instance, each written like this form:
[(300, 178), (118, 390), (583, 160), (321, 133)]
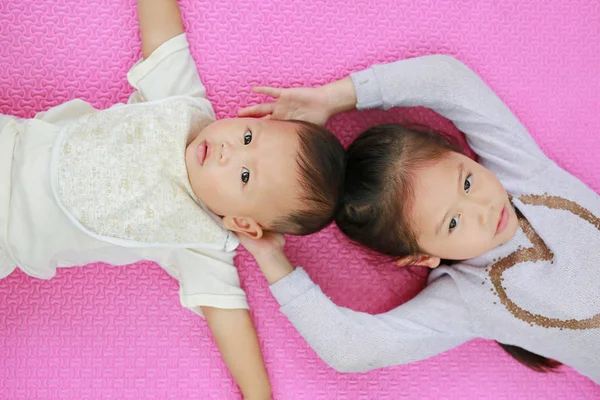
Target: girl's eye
[(453, 223), (245, 175), (468, 183), (247, 138)]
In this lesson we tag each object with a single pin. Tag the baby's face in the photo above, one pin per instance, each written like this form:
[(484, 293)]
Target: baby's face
[(244, 169), (462, 211)]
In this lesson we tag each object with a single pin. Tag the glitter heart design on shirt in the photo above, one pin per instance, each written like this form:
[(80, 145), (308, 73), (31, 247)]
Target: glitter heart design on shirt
[(540, 252)]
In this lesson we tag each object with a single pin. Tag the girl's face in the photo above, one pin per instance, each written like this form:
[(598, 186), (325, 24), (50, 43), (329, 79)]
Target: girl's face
[(460, 209)]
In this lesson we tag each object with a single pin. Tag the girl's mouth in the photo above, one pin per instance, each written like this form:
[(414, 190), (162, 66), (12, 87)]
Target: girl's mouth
[(502, 220)]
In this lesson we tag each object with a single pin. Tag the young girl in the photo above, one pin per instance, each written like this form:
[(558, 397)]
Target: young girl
[(523, 233), (160, 179)]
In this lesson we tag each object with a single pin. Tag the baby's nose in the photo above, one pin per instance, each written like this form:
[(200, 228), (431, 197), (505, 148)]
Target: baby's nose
[(224, 152)]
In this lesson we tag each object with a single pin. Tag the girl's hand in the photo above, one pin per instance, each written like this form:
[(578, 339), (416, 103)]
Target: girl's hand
[(307, 104), (269, 243), (268, 252)]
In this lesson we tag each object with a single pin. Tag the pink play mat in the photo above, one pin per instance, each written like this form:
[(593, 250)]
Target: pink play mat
[(106, 332)]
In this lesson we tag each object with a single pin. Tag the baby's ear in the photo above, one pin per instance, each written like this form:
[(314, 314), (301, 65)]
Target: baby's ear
[(247, 226), (422, 260)]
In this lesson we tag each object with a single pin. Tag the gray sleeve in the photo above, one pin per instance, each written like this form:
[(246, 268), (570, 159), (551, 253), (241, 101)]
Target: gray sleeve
[(450, 88), (351, 341)]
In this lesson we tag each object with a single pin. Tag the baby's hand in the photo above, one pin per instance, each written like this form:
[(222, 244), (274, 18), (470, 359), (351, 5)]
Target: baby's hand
[(307, 104)]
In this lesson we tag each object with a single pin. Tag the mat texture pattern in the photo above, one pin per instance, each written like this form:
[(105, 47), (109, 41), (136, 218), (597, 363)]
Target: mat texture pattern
[(106, 332)]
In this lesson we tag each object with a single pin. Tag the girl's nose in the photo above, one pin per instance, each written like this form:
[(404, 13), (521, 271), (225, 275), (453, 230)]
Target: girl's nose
[(483, 216), (481, 209)]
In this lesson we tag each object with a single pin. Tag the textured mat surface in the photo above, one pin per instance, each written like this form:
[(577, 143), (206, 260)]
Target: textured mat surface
[(105, 332)]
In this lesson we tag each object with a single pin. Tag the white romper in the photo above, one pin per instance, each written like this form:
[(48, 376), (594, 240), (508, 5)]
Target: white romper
[(80, 185)]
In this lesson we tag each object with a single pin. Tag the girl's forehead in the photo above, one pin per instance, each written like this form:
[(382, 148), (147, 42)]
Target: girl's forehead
[(437, 177), (435, 188)]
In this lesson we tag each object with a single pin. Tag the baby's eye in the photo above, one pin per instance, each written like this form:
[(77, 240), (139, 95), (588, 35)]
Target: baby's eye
[(468, 183), (453, 223), (247, 138), (245, 175)]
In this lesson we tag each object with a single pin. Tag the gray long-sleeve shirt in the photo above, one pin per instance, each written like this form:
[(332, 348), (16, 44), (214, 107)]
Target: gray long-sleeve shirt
[(539, 291)]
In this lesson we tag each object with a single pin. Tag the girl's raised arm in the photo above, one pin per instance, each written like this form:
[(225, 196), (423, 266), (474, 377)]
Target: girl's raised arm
[(439, 82)]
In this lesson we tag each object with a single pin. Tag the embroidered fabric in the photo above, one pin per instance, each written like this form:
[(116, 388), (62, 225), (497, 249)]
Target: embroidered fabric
[(120, 175)]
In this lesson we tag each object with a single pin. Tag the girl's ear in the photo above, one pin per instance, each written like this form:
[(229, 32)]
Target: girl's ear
[(422, 260), (246, 226)]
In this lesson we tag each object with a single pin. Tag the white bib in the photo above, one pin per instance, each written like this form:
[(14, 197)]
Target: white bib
[(120, 176)]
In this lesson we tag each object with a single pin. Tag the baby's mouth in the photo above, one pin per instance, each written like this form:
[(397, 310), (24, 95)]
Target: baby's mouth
[(203, 152)]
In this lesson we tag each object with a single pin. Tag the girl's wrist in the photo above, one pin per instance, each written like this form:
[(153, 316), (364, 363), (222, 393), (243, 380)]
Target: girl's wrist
[(341, 96), (275, 265)]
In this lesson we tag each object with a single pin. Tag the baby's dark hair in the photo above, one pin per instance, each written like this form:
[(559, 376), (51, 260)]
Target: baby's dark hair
[(320, 162), (379, 193)]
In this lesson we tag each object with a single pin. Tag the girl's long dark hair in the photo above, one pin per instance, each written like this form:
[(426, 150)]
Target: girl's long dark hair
[(378, 191), (529, 359)]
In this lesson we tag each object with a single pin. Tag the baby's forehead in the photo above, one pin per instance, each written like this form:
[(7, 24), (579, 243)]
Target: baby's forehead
[(280, 194), (277, 146), (278, 128), (278, 155)]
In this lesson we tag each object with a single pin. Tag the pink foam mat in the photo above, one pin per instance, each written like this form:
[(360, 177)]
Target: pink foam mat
[(106, 332)]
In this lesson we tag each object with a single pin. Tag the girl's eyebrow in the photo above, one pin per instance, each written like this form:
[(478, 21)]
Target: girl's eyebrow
[(461, 171), (438, 229)]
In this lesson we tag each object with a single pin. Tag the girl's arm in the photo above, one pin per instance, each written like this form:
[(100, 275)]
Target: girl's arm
[(351, 341), (439, 82), (453, 90), (237, 341), (160, 20), (314, 105)]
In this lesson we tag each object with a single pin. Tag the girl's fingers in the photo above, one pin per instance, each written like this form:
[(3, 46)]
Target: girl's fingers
[(267, 90), (256, 110)]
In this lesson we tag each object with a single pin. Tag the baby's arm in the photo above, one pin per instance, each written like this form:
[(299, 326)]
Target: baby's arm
[(237, 341), (209, 283), (160, 20), (168, 68)]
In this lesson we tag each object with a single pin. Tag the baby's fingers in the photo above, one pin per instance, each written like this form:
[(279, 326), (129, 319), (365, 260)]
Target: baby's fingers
[(256, 110), (267, 90)]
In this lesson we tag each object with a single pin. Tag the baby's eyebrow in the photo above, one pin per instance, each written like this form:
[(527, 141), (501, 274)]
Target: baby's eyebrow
[(255, 129)]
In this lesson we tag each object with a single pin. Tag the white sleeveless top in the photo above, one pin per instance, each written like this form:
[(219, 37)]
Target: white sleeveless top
[(120, 176)]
